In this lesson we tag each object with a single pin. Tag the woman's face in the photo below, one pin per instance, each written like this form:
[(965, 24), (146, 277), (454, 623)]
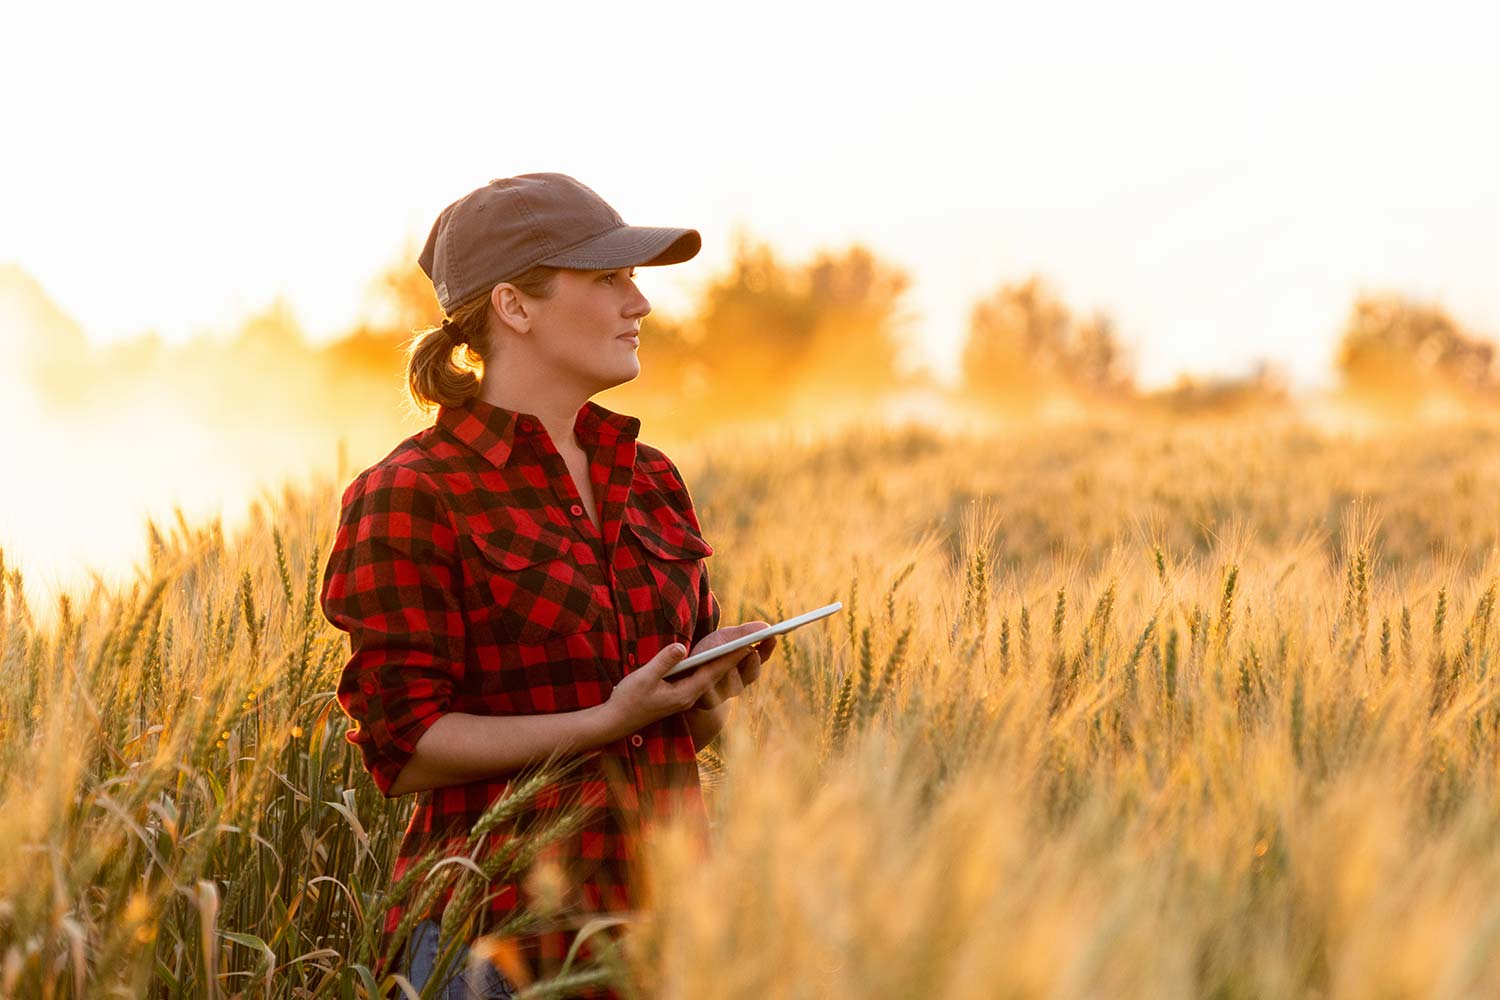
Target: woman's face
[(582, 327)]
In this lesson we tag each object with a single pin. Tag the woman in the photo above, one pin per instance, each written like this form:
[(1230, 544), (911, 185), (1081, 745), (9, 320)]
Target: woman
[(516, 578)]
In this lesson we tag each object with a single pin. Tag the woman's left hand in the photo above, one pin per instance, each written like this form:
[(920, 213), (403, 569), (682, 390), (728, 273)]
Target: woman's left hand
[(742, 674)]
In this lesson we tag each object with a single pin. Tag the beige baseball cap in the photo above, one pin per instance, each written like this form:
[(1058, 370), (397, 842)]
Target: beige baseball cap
[(512, 224)]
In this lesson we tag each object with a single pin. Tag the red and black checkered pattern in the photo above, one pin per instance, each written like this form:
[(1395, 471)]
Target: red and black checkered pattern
[(470, 579)]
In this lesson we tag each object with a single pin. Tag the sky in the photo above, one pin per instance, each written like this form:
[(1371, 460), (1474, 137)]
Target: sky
[(1222, 179)]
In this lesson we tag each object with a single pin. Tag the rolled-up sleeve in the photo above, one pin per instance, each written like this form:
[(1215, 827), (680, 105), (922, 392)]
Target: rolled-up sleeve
[(392, 582)]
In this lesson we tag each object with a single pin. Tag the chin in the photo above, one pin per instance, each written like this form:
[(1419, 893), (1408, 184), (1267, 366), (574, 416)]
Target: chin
[(621, 376)]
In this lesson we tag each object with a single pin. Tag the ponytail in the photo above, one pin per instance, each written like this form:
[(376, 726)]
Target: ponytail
[(433, 376)]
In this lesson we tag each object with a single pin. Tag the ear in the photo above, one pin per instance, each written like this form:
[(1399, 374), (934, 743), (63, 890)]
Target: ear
[(510, 305)]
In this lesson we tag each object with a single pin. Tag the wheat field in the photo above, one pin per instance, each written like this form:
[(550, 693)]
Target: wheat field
[(1122, 708)]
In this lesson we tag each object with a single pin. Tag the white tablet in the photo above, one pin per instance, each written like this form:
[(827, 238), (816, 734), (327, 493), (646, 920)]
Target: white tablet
[(749, 640)]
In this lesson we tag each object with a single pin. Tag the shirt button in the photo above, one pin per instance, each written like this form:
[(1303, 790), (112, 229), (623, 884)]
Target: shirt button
[(525, 425), (635, 739), (630, 659), (576, 509)]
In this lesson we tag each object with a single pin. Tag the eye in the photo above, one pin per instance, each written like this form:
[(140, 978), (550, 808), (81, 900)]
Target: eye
[(609, 278)]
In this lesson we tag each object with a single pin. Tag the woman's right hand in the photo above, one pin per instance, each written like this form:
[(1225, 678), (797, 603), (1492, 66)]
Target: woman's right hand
[(645, 696)]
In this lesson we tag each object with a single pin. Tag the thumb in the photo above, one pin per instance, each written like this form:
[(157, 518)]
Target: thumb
[(670, 657)]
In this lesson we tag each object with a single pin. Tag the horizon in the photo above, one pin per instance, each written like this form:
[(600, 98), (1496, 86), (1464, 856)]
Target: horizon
[(922, 371)]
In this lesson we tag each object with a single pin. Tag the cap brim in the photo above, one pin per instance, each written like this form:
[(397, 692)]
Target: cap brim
[(630, 246)]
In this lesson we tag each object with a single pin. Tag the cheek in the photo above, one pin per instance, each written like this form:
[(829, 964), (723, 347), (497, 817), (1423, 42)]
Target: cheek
[(593, 326), (574, 339)]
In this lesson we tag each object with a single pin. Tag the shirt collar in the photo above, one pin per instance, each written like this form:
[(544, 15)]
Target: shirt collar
[(491, 430)]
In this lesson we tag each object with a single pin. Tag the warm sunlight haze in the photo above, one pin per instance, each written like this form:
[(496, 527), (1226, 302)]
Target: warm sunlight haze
[(1130, 373)]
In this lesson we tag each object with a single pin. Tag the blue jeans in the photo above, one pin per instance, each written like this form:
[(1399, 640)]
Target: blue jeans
[(421, 955)]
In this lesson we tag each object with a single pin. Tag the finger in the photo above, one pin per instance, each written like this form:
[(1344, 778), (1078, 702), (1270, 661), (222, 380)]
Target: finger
[(750, 670), (727, 682), (675, 654), (727, 687), (736, 686), (707, 676)]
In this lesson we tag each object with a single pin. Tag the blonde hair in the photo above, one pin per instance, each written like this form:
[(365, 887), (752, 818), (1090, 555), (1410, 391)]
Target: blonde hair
[(432, 377)]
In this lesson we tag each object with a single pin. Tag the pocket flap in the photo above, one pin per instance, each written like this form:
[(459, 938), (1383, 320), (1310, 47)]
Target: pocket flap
[(513, 548), (672, 539)]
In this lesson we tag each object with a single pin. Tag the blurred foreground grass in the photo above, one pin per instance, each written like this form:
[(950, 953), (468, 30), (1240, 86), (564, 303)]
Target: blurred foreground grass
[(1136, 710)]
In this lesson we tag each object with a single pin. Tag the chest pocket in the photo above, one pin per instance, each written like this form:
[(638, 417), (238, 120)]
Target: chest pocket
[(672, 552), (523, 585)]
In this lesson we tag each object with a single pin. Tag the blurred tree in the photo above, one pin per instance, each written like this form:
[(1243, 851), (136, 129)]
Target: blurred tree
[(364, 372), (1396, 352), (750, 330), (36, 336), (1024, 345), (270, 335), (856, 346), (1099, 361), (401, 295), (769, 337)]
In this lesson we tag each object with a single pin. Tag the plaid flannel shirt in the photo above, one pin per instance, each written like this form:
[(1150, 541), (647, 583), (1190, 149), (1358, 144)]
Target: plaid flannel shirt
[(470, 579)]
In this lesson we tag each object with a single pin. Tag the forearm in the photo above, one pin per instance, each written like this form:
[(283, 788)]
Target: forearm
[(460, 747), (706, 723)]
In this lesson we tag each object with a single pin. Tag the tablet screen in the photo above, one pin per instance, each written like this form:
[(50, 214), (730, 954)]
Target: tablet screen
[(749, 640)]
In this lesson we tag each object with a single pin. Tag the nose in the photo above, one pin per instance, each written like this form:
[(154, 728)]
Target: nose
[(638, 305)]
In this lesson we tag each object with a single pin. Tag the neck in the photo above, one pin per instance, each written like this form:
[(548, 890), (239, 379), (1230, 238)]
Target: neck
[(553, 402)]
